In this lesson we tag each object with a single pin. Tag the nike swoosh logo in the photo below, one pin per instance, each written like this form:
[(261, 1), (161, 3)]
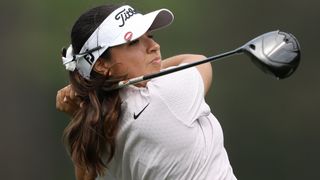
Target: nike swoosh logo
[(136, 116)]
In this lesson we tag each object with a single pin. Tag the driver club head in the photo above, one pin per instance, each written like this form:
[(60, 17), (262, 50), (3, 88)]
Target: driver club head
[(276, 53)]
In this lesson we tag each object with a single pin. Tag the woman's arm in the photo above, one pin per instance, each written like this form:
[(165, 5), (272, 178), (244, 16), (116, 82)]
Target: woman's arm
[(68, 102), (204, 69)]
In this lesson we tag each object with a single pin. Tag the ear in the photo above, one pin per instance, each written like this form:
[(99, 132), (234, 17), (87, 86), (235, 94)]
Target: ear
[(102, 67)]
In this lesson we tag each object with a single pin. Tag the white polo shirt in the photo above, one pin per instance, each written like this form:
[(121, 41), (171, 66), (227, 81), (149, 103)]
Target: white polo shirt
[(168, 132)]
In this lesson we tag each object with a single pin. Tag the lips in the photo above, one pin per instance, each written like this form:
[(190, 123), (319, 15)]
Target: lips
[(156, 60)]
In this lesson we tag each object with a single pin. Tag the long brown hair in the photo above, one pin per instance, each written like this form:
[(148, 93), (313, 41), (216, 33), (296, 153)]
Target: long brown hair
[(90, 135)]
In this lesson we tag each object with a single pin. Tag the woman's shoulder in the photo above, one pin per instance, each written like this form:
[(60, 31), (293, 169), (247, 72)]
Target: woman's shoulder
[(178, 82)]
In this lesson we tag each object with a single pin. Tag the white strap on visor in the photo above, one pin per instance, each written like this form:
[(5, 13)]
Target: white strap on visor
[(121, 26)]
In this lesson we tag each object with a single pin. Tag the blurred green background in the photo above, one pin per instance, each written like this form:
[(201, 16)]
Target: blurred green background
[(271, 127)]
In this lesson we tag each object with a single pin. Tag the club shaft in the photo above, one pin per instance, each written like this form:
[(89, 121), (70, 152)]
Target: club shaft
[(178, 68)]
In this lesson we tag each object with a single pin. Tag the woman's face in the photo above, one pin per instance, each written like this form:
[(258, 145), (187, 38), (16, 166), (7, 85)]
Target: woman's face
[(139, 57)]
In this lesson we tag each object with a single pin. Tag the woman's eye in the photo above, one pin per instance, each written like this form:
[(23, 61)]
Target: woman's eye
[(133, 42), (150, 36)]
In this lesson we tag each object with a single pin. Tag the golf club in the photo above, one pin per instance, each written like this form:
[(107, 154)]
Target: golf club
[(276, 53)]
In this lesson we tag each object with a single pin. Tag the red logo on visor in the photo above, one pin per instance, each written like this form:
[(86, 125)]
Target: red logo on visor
[(128, 36)]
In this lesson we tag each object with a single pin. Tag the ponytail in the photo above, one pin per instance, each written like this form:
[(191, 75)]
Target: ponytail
[(91, 134)]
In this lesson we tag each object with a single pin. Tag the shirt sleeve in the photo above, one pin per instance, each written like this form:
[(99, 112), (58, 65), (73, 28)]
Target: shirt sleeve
[(183, 93)]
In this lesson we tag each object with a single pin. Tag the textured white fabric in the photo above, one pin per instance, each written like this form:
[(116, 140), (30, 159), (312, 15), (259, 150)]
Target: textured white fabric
[(176, 137)]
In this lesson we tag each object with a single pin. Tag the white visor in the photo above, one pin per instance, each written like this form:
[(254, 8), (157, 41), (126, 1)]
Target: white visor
[(121, 26)]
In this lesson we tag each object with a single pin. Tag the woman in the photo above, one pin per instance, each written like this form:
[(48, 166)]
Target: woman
[(159, 129)]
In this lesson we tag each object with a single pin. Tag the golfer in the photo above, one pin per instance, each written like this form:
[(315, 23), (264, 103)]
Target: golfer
[(155, 130)]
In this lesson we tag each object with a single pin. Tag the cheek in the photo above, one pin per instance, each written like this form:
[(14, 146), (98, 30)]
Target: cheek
[(131, 60), (136, 66), (135, 57), (133, 65)]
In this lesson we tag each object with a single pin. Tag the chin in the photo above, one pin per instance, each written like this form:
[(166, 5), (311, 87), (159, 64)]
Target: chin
[(155, 70)]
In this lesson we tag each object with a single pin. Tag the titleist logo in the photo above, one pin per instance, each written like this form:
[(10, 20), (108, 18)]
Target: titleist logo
[(124, 15)]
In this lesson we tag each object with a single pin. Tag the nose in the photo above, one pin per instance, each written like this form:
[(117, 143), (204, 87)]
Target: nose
[(153, 46)]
